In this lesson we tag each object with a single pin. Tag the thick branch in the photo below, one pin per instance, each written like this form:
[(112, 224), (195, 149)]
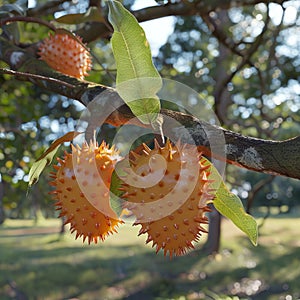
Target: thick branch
[(43, 9), (200, 7), (275, 157), (95, 30)]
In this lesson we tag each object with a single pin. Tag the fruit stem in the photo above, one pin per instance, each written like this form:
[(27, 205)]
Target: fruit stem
[(27, 19)]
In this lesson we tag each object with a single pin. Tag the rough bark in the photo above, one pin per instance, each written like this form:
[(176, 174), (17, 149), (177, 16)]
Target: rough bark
[(266, 156)]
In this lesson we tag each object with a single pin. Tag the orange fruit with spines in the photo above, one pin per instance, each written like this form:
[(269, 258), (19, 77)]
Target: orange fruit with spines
[(66, 54), (172, 210), (82, 181)]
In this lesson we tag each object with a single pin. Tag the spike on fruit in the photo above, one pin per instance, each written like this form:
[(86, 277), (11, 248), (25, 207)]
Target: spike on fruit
[(82, 198), (66, 54), (176, 221)]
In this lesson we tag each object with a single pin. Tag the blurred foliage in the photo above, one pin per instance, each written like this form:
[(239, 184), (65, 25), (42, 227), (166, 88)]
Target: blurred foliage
[(262, 98), (30, 119)]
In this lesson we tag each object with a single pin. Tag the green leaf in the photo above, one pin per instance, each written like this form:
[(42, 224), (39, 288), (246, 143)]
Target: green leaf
[(230, 205), (38, 167), (115, 193), (137, 79), (92, 15), (46, 158)]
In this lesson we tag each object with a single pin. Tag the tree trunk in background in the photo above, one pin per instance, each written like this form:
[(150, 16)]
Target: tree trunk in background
[(222, 101), (2, 215), (62, 227), (214, 235), (36, 211)]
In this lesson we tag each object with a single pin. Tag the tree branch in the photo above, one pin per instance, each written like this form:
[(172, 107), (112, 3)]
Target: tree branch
[(274, 157), (245, 59), (26, 19), (43, 9), (94, 30)]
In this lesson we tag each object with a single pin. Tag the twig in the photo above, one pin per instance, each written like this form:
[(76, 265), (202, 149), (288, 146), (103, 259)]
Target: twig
[(107, 71), (48, 7), (34, 76), (256, 188), (26, 19), (245, 58), (272, 51), (221, 36)]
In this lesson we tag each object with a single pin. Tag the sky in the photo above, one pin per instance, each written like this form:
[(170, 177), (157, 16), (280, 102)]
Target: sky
[(157, 31)]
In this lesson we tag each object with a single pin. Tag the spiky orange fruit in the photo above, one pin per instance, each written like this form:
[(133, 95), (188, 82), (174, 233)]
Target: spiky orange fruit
[(66, 54), (171, 212), (82, 195)]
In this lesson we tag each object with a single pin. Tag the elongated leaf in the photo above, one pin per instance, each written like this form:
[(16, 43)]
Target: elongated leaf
[(115, 194), (46, 158), (92, 15), (230, 206), (38, 167), (137, 79)]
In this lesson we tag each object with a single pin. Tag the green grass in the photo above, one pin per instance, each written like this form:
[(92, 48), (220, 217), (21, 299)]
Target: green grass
[(44, 266)]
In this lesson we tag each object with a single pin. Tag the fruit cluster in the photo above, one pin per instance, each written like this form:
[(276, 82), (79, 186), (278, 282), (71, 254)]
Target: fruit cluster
[(166, 189)]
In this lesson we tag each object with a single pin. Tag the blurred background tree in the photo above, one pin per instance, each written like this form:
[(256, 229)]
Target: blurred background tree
[(245, 61), (242, 57)]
